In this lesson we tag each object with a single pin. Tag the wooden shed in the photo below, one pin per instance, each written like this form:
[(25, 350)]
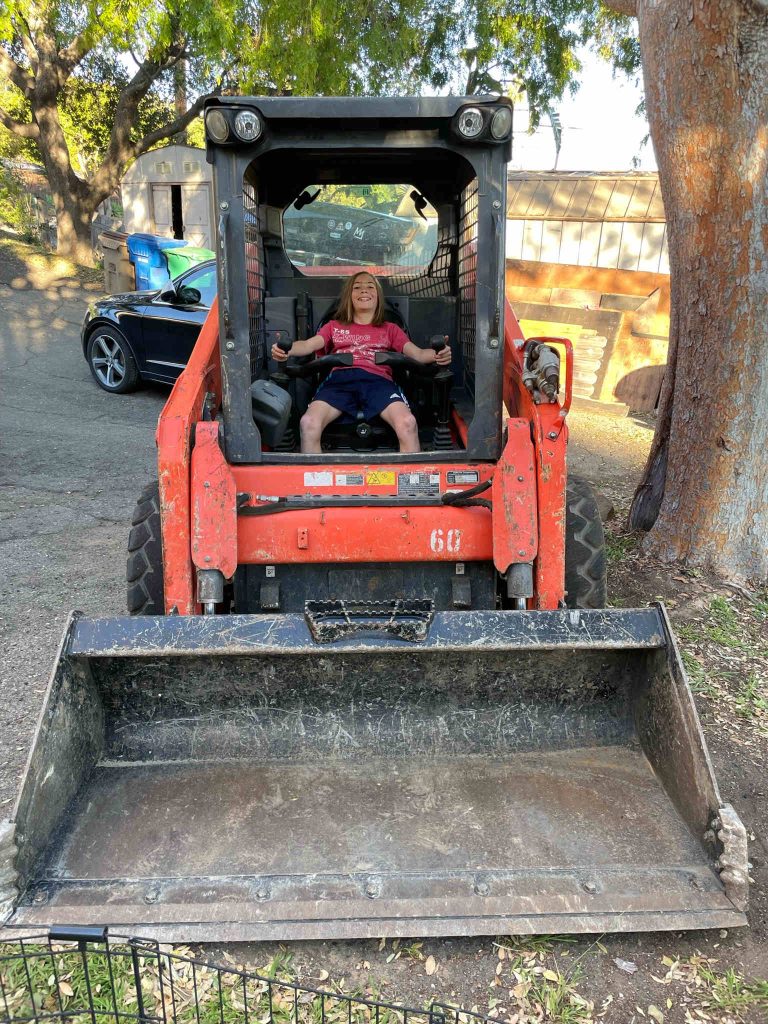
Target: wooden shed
[(587, 258), (169, 191)]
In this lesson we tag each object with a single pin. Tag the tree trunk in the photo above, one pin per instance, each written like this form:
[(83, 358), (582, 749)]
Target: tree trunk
[(74, 216), (705, 488), (74, 201), (180, 99)]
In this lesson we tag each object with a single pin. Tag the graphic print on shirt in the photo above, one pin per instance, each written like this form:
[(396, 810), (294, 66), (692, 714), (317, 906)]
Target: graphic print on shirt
[(364, 341)]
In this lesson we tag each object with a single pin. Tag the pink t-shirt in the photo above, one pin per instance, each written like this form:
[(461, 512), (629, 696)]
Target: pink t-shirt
[(363, 340)]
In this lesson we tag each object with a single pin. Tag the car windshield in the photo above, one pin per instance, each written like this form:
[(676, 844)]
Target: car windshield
[(336, 229)]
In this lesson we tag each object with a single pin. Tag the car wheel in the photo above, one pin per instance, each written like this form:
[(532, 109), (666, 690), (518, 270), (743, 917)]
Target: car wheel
[(111, 361)]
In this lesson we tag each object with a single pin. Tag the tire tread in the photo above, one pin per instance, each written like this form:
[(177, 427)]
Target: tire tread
[(585, 563), (144, 566)]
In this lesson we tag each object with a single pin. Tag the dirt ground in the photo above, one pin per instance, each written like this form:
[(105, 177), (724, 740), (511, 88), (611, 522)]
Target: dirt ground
[(73, 460)]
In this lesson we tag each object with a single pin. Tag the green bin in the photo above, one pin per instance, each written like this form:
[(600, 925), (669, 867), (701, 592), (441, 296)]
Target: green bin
[(185, 257)]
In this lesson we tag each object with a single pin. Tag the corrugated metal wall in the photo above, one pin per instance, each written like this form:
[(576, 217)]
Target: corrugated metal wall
[(587, 219)]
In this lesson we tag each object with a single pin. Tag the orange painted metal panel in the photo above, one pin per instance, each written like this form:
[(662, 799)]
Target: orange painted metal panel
[(549, 434), (388, 534), (214, 504), (368, 534), (515, 533), (181, 412)]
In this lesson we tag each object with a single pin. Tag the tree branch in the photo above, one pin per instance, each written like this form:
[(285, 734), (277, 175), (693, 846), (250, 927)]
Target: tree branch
[(26, 131), (121, 149), (26, 40), (70, 56), (628, 7), (174, 127), (18, 76)]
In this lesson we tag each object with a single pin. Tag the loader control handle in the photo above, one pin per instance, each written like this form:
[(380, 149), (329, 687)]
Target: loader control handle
[(398, 361), (318, 365)]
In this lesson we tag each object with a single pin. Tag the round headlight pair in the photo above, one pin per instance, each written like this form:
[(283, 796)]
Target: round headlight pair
[(247, 125), (471, 122)]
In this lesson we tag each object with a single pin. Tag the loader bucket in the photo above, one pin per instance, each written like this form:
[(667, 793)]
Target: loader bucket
[(251, 777)]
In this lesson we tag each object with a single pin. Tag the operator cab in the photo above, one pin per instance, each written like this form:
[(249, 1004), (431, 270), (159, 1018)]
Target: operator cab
[(330, 232), (391, 187)]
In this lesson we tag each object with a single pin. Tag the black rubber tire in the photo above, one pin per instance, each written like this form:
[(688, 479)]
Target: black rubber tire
[(144, 570), (585, 582), (124, 359)]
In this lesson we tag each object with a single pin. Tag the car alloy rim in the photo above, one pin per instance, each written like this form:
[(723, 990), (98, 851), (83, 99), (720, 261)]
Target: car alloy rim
[(108, 361)]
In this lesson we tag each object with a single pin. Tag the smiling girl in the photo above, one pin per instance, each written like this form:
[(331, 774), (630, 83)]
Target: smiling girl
[(359, 327)]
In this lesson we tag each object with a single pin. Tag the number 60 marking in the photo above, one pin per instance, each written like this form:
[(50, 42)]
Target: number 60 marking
[(441, 541)]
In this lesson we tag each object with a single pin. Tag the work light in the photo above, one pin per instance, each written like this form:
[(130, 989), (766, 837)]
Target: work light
[(248, 126), (217, 125), (470, 122), (501, 123)]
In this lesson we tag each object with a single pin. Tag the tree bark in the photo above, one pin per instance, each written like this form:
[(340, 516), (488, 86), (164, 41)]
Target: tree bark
[(704, 494)]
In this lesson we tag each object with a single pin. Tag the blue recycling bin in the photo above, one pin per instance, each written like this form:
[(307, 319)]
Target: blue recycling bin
[(146, 254)]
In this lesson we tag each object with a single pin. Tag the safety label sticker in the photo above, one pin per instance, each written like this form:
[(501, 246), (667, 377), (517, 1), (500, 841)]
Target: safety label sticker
[(318, 479), (379, 477), (349, 479), (418, 485)]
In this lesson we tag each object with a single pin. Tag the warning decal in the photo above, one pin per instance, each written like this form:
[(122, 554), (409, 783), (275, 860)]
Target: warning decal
[(349, 479), (318, 479), (380, 477), (418, 485)]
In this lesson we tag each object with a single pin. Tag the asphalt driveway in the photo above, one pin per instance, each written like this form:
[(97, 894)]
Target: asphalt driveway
[(72, 462)]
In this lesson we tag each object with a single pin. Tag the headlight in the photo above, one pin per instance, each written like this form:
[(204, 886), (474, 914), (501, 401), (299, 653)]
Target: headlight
[(217, 125), (248, 126), (501, 123), (470, 122)]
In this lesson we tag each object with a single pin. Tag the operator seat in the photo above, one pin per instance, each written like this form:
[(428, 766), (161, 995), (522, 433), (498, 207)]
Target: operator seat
[(356, 433)]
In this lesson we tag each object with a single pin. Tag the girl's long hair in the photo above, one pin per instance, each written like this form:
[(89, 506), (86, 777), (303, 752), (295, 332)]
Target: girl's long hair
[(345, 312)]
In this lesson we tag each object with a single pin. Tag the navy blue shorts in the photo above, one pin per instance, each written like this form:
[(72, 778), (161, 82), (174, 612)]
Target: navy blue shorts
[(351, 391)]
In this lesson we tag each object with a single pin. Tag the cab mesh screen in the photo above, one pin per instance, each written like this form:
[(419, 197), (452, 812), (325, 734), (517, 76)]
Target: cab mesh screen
[(467, 273), (254, 277), (454, 256)]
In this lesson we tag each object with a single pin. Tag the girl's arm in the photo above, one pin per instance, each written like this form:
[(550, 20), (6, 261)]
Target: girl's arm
[(299, 348), (427, 355)]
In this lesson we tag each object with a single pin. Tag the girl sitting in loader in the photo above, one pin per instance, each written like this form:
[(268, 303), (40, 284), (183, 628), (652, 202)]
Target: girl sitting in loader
[(360, 328)]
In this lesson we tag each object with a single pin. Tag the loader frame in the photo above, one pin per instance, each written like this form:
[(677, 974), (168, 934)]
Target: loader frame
[(433, 745)]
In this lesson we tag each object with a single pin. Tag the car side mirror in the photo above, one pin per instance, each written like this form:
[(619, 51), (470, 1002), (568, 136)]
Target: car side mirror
[(188, 296), (168, 293)]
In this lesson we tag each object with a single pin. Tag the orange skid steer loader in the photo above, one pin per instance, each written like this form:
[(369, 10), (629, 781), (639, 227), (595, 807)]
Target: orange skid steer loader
[(361, 692)]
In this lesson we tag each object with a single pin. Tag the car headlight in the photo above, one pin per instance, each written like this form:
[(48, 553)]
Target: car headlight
[(248, 126), (470, 122)]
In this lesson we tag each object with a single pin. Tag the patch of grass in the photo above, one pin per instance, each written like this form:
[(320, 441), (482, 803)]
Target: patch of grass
[(280, 964), (730, 991), (412, 950), (697, 677), (619, 545), (723, 626), (751, 700), (528, 947), (560, 1001)]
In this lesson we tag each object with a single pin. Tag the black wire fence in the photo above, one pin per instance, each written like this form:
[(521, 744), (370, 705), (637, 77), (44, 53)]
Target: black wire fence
[(85, 976)]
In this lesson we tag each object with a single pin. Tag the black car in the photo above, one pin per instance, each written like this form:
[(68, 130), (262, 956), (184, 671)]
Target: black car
[(147, 335)]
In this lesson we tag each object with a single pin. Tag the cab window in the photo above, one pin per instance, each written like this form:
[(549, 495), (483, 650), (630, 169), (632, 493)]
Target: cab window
[(336, 229)]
